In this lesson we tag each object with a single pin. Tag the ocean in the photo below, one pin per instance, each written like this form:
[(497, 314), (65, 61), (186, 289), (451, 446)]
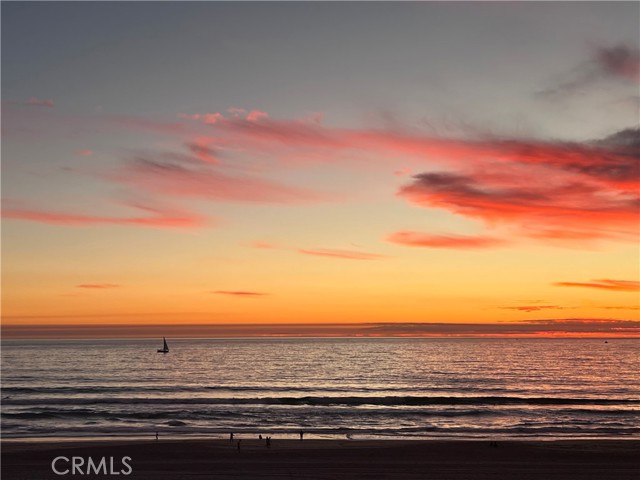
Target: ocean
[(329, 388)]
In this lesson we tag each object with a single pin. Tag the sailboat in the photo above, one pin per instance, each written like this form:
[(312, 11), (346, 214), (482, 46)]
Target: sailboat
[(165, 347)]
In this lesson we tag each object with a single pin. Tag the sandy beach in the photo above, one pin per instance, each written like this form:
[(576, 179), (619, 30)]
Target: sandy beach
[(335, 459)]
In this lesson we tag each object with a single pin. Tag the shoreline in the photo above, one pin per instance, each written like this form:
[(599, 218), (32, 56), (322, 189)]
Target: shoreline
[(308, 436), (337, 459)]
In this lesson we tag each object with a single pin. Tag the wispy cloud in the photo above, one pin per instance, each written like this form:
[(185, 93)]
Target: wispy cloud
[(155, 217), (605, 284), (232, 113), (606, 63), (341, 254), (417, 239), (622, 307), (85, 152), (550, 191), (255, 115), (37, 102), (534, 308), (610, 159), (208, 118), (31, 102), (554, 191), (263, 245), (332, 253), (202, 148), (98, 286), (182, 179), (240, 293), (607, 159)]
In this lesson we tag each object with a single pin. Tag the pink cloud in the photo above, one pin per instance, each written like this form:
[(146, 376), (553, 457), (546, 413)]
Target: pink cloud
[(549, 191), (256, 115), (605, 284), (85, 152), (263, 245), (343, 254), (170, 178), (290, 133), (611, 162), (608, 163), (39, 102), (416, 239), (155, 218), (98, 286), (543, 208), (202, 148), (559, 234), (233, 113), (208, 118)]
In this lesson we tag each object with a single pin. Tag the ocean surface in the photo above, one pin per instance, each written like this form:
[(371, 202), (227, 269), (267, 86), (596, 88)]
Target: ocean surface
[(328, 388)]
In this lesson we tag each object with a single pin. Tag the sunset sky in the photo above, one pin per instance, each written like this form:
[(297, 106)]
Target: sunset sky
[(259, 163)]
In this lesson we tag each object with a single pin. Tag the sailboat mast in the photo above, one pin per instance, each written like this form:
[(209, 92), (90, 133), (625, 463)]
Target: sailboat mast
[(165, 347)]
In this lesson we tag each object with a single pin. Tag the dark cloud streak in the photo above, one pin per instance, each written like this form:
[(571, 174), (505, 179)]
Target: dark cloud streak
[(605, 284), (611, 63)]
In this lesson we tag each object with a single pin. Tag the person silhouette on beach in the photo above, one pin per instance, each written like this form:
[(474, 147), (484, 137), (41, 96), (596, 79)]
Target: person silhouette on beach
[(156, 436), (301, 435), (268, 442), (260, 437), (231, 437)]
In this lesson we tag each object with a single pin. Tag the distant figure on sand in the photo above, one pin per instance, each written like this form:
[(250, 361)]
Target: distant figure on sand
[(301, 435), (156, 436), (260, 437), (268, 442), (231, 437)]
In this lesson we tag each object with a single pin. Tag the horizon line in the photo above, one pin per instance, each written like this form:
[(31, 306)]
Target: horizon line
[(609, 328)]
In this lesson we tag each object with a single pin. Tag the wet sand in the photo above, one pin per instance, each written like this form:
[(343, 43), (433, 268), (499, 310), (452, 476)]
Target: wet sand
[(335, 459)]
